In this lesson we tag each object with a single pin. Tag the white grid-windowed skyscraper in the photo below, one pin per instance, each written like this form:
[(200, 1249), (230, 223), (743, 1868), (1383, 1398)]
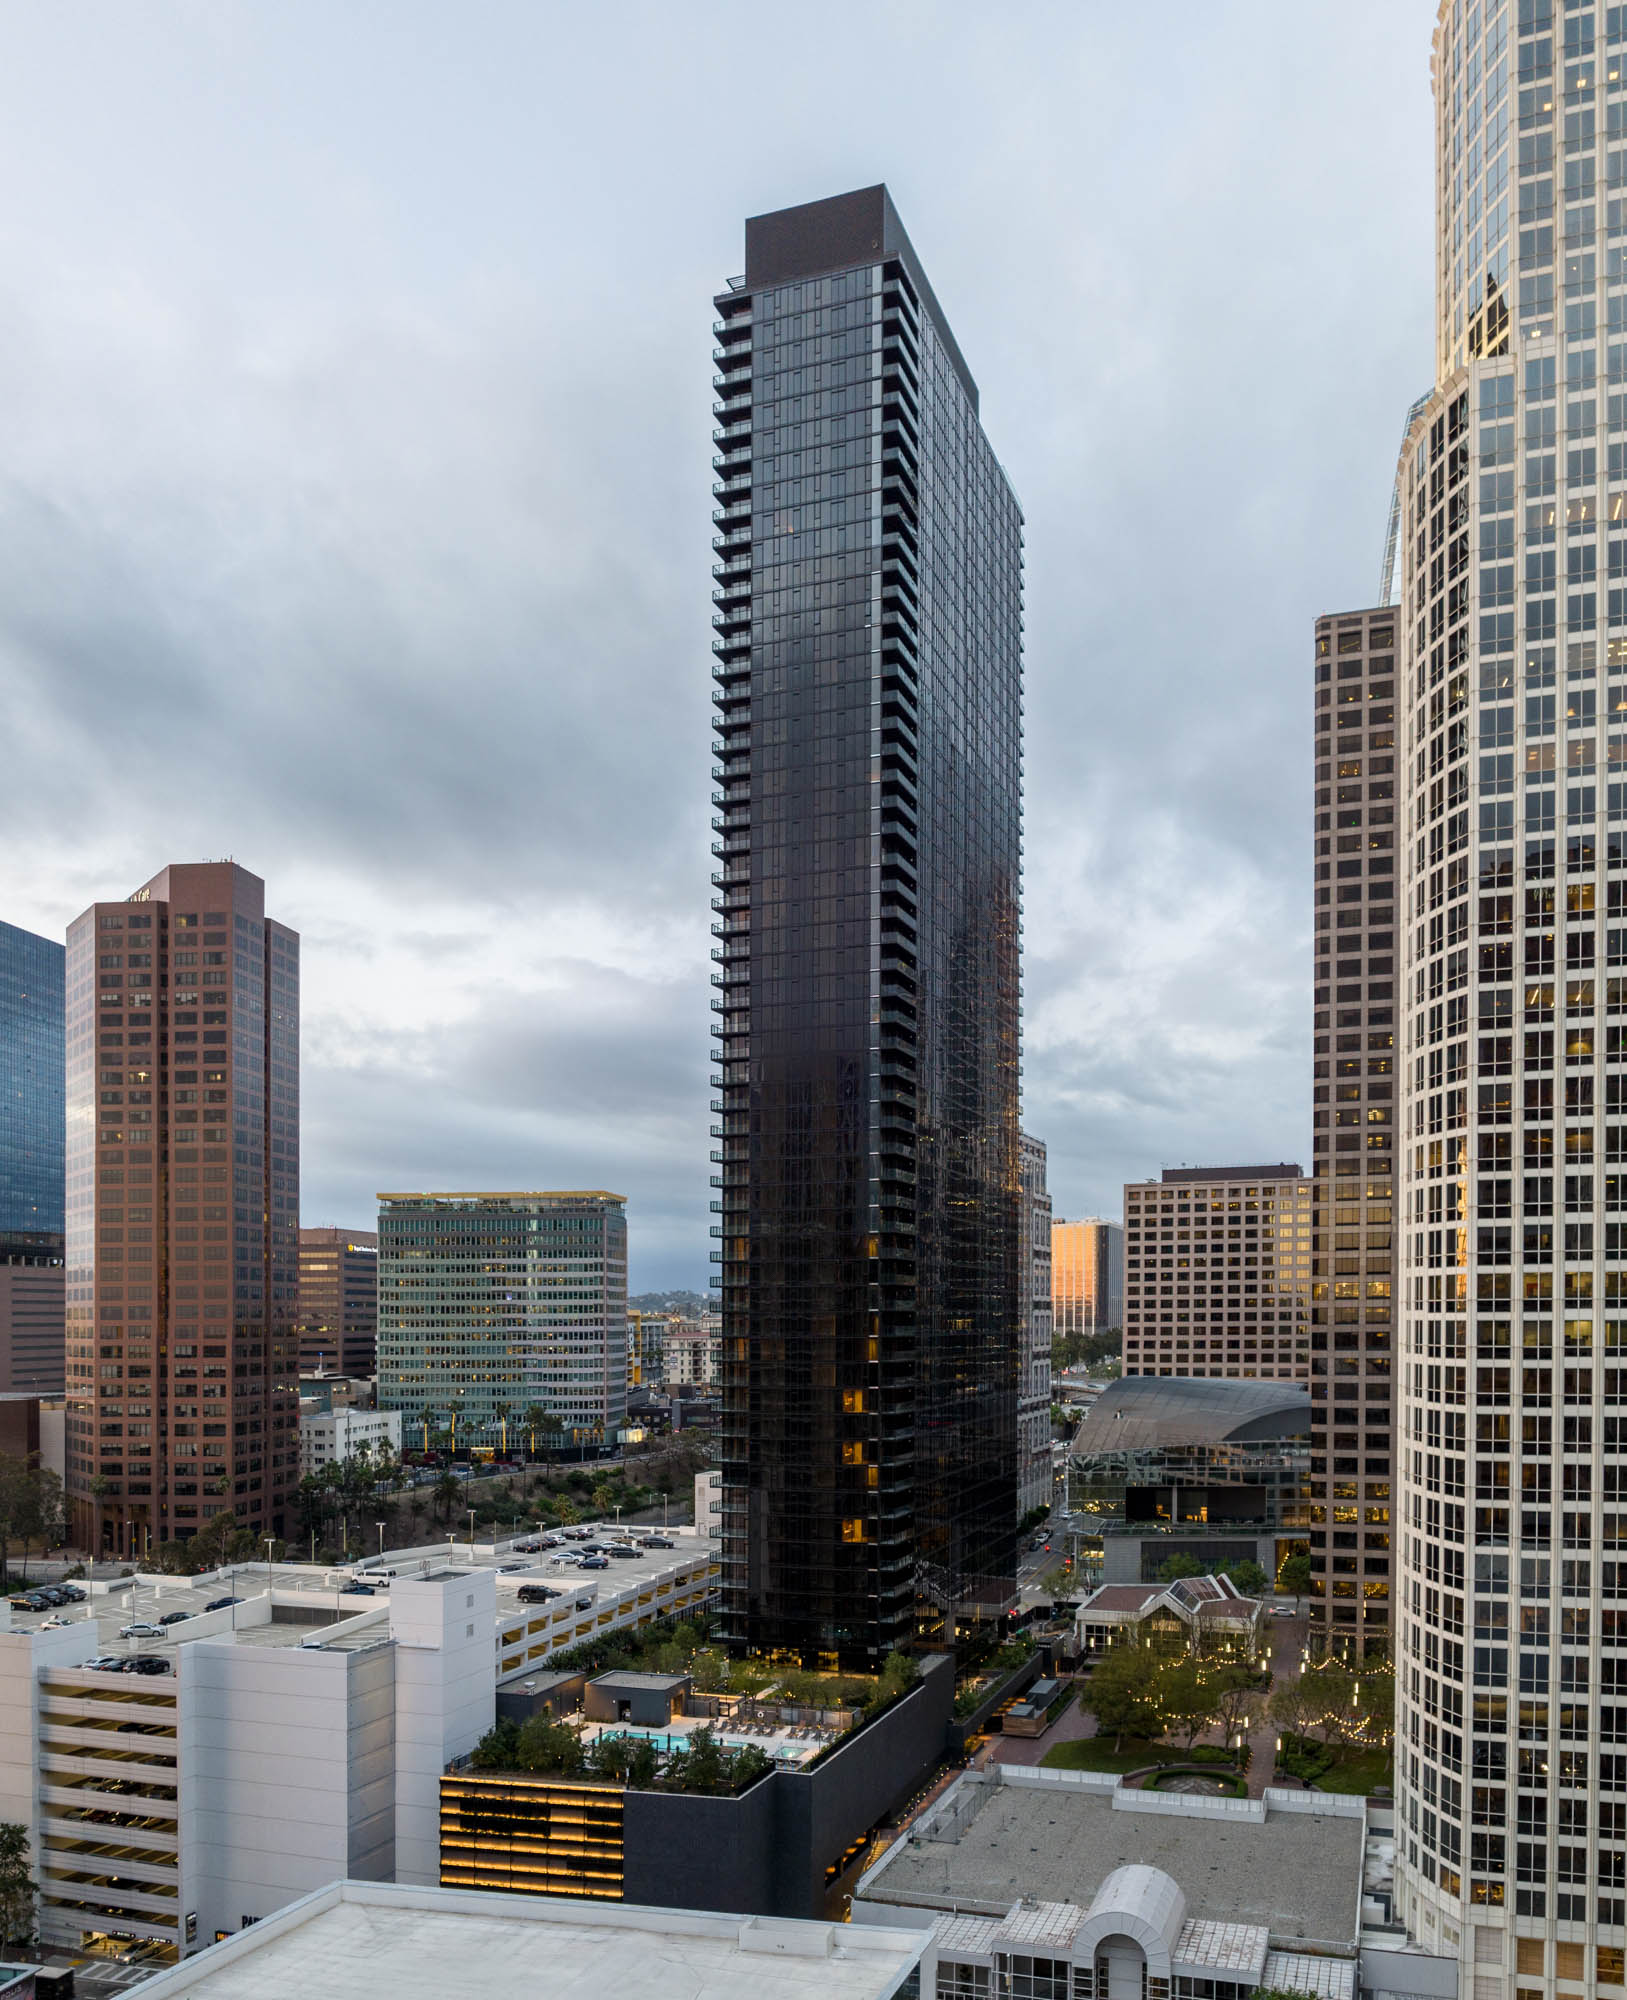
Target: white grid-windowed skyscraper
[(1511, 1624)]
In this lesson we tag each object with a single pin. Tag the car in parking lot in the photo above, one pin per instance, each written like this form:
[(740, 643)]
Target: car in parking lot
[(508, 1569), (147, 1663), (577, 1534), (53, 1594), (355, 1589), (72, 1593), (174, 1617), (107, 1663), (538, 1593), (222, 1603), (143, 1628), (655, 1542), (29, 1602), (594, 1562), (622, 1552)]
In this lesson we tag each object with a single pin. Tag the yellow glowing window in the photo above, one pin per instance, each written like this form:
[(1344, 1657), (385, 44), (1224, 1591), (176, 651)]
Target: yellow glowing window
[(853, 1401), (852, 1530)]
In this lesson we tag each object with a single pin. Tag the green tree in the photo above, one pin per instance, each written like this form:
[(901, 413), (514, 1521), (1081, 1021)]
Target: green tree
[(1249, 1577), (17, 1887), (1186, 1700), (1291, 1706), (1294, 1575), (633, 1759), (1234, 1692), (549, 1747), (1175, 1567), (899, 1673), (1122, 1693), (499, 1748), (448, 1491)]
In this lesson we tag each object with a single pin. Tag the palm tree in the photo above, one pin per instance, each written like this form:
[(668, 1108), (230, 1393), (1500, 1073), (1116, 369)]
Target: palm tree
[(448, 1489), (500, 1412), (98, 1492), (535, 1419)]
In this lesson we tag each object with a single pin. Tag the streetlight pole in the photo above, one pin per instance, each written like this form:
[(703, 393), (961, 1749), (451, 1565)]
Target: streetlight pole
[(271, 1542), (380, 1526), (471, 1531)]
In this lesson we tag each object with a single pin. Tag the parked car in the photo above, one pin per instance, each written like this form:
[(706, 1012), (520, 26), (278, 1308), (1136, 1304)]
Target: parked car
[(174, 1617), (56, 1618), (526, 1548), (108, 1663), (508, 1569), (537, 1593), (52, 1593), (655, 1542), (594, 1562), (143, 1628), (222, 1603), (625, 1554), (578, 1534), (29, 1602), (147, 1663), (72, 1593), (355, 1589)]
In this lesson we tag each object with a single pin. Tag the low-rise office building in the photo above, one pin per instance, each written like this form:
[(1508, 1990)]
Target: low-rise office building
[(329, 1437)]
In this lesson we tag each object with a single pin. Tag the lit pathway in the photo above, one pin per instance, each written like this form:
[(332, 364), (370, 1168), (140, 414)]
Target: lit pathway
[(1287, 1644)]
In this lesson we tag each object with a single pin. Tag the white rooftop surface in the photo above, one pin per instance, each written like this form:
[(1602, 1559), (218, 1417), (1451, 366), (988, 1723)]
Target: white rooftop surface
[(355, 1941), (145, 1599)]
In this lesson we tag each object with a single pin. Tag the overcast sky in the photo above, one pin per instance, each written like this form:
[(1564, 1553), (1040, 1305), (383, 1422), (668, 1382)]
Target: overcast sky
[(354, 519)]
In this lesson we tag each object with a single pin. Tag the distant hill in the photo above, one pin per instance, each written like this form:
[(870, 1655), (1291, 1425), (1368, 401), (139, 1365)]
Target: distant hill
[(677, 1302)]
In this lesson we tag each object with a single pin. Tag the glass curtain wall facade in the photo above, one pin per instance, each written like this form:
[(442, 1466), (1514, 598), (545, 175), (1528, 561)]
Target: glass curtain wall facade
[(1034, 1467), (182, 1211), (493, 1304), (1354, 1120), (1512, 1622), (868, 671), (31, 1091)]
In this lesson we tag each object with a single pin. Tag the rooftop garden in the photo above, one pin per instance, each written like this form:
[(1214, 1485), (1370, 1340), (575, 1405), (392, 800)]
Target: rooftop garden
[(545, 1748)]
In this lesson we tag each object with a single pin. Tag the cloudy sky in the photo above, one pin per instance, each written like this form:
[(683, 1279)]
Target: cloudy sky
[(354, 518)]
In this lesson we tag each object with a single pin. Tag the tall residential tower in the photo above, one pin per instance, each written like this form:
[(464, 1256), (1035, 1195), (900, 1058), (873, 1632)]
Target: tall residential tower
[(183, 1210), (868, 671), (1512, 1620)]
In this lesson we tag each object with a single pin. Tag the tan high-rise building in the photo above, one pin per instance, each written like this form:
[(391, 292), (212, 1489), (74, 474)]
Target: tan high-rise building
[(1087, 1276), (1217, 1264), (338, 1301), (1354, 1119), (183, 1210)]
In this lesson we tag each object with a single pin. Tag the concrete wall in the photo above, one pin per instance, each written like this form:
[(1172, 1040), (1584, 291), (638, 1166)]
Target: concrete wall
[(703, 1854), (22, 1654), (446, 1700), (287, 1774)]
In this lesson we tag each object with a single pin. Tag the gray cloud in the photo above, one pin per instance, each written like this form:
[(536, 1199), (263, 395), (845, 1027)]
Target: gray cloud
[(354, 519)]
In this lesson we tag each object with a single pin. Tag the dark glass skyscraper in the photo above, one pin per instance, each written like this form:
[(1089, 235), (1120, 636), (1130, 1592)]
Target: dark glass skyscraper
[(868, 678), (32, 1127)]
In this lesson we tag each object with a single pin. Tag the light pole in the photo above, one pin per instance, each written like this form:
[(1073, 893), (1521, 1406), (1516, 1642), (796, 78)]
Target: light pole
[(471, 1531), (380, 1526), (271, 1542)]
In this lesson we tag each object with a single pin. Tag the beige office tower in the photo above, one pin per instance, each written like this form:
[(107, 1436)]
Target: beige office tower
[(1217, 1264), (1511, 1842), (1353, 1147), (183, 1211)]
